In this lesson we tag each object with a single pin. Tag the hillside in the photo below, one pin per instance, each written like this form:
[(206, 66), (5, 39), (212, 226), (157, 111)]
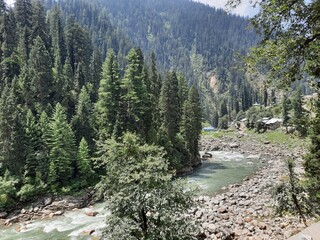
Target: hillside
[(197, 40)]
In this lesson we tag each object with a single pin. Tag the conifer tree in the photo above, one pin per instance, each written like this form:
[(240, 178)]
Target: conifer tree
[(38, 24), (40, 74), (23, 13), (299, 114), (57, 38), (11, 130), (82, 120), (107, 106), (191, 124), (312, 160), (169, 105), (62, 149), (33, 141), (84, 163), (134, 98)]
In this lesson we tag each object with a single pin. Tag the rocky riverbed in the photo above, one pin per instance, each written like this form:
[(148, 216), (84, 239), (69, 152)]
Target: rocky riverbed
[(245, 211)]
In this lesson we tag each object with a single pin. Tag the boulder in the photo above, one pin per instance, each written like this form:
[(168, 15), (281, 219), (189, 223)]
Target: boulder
[(58, 213), (233, 145), (91, 213), (3, 214)]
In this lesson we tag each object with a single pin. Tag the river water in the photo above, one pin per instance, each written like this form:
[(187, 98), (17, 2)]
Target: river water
[(223, 169)]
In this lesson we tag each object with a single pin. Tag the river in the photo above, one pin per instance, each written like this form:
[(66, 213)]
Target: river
[(223, 169)]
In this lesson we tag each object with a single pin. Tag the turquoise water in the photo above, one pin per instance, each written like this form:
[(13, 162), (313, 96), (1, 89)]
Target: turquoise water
[(223, 169)]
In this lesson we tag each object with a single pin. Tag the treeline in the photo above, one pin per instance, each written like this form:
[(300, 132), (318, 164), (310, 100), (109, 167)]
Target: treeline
[(60, 102), (204, 43)]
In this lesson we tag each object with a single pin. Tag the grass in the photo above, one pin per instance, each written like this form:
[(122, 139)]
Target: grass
[(220, 133), (279, 137)]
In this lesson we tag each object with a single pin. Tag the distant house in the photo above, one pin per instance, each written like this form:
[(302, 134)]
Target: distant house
[(208, 129), (272, 123)]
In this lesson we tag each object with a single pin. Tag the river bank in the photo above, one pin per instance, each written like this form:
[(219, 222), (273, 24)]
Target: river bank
[(242, 211), (245, 210)]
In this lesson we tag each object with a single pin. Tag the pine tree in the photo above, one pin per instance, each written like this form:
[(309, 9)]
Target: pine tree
[(285, 111), (84, 163), (32, 142), (57, 38), (169, 105), (134, 98), (191, 124), (11, 130), (107, 106), (62, 149), (39, 25), (299, 114), (83, 118), (40, 74), (312, 160), (23, 13)]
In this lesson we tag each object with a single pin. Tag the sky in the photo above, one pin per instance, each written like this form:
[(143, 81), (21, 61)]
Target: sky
[(244, 9)]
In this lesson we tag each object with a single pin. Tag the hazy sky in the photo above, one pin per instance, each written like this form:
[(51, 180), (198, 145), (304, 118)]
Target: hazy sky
[(244, 9)]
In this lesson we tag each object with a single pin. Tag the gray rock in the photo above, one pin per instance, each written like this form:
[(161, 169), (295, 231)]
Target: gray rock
[(199, 214), (47, 201), (234, 145), (3, 214)]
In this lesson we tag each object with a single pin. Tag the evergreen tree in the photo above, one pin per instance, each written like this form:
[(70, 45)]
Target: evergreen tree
[(61, 142), (40, 74), (285, 111), (191, 124), (39, 25), (134, 98), (23, 13), (33, 142), (312, 160), (11, 130), (57, 38), (84, 163), (82, 120), (299, 114), (169, 105), (107, 106)]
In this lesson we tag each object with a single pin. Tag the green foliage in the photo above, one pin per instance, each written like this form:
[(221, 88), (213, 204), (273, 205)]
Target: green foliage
[(7, 190), (312, 160), (107, 106), (299, 114), (290, 196), (144, 201), (61, 142)]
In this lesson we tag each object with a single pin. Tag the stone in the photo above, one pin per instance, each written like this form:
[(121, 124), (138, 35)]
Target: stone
[(91, 213), (199, 214), (87, 232), (212, 228), (47, 201), (222, 210), (262, 225), (3, 214), (23, 211), (234, 145), (36, 209), (58, 213), (247, 219)]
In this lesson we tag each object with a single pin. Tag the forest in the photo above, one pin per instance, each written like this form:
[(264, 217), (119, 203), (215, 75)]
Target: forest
[(113, 94), (60, 101)]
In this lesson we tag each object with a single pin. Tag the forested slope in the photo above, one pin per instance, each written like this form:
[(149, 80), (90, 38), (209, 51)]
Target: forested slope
[(201, 42)]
